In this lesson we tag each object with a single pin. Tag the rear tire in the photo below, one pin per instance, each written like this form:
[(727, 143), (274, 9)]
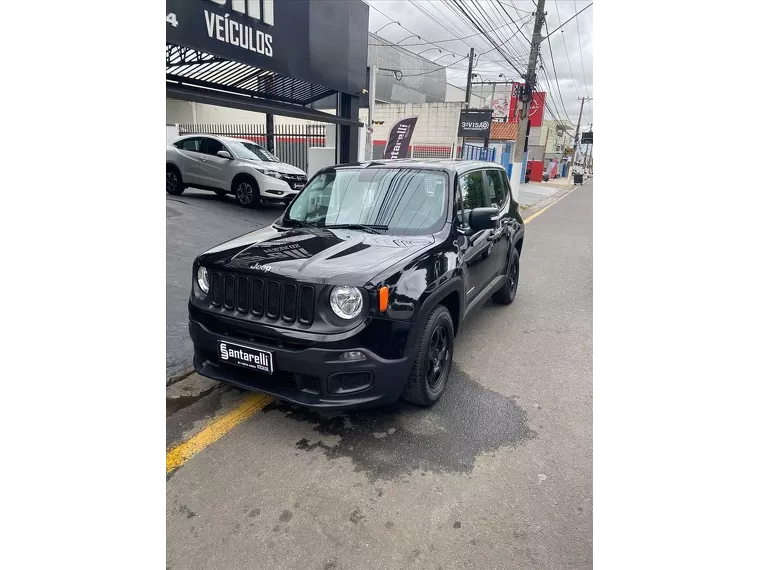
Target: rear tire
[(434, 358), (246, 192), (506, 294), (174, 184)]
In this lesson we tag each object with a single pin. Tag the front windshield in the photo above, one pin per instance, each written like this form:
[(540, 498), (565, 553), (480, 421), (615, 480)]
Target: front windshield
[(408, 201), (251, 151)]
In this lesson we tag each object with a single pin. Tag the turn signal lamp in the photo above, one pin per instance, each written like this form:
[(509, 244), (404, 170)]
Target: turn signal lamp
[(383, 296)]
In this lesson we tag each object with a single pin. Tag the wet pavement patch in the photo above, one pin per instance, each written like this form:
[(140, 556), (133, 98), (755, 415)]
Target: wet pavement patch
[(390, 442)]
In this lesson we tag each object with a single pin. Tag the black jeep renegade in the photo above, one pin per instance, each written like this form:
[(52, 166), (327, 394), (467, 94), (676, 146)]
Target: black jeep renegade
[(354, 295)]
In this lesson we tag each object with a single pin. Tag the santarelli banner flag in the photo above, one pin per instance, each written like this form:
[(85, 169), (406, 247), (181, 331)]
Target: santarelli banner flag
[(399, 138)]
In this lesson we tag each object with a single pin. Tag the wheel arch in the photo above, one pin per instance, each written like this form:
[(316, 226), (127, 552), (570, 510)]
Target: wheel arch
[(244, 176), (451, 296)]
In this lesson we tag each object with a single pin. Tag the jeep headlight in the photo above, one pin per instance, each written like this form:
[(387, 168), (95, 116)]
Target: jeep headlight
[(272, 173), (203, 279), (346, 302)]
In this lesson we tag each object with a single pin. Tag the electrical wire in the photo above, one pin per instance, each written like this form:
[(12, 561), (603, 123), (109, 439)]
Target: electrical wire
[(506, 52), (566, 51), (514, 48), (462, 8), (409, 31), (579, 39), (512, 20), (466, 23), (447, 66), (461, 39), (555, 75)]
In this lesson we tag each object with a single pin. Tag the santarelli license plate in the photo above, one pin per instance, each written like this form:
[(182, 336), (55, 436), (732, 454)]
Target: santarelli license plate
[(246, 356)]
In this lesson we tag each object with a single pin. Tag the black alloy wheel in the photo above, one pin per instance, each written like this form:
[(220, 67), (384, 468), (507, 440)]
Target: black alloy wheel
[(247, 194), (174, 184)]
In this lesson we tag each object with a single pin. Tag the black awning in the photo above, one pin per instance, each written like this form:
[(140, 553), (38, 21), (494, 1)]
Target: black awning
[(204, 78)]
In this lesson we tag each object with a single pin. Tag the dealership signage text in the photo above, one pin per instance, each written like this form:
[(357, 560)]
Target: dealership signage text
[(237, 34)]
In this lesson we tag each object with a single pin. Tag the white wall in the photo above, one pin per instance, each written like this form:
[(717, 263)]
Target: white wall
[(438, 122), (182, 112), (455, 94)]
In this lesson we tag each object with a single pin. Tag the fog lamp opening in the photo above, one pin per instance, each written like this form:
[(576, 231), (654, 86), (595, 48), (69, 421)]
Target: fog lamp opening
[(352, 355)]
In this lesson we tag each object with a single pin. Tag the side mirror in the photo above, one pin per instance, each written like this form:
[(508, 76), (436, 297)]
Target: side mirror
[(482, 219), (224, 154)]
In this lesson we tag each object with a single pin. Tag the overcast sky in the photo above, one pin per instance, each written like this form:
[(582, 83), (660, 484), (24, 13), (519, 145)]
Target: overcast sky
[(572, 45)]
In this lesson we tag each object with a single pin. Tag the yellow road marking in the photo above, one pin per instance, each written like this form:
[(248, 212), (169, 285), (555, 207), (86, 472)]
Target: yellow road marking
[(178, 455), (536, 214), (252, 403)]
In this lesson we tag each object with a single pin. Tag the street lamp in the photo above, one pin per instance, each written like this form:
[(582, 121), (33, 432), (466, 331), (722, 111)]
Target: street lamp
[(386, 25), (411, 36), (442, 56)]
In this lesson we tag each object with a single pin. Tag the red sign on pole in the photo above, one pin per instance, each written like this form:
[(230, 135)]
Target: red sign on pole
[(536, 106)]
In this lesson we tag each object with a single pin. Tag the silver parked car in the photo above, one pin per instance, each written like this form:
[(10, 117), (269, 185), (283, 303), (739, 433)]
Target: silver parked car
[(228, 165)]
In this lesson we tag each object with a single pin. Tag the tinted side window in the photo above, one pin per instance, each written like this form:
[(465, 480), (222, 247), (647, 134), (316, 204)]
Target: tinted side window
[(472, 187), (507, 186), (189, 144), (212, 146), (473, 190), (496, 190)]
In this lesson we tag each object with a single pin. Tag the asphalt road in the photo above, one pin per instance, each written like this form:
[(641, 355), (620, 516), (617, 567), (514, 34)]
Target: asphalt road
[(195, 222), (498, 474)]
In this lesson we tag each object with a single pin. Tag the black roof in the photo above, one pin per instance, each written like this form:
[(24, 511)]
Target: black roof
[(453, 165)]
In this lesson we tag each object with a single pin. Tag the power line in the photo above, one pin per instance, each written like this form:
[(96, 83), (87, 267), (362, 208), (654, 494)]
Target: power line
[(512, 20), (442, 66), (409, 31), (573, 17), (466, 22), (566, 51), (464, 11), (550, 94), (515, 8), (461, 39), (579, 39), (514, 49), (555, 75)]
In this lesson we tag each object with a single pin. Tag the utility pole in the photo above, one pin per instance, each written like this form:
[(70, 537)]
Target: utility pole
[(577, 133), (468, 95), (469, 77), (526, 98), (369, 150)]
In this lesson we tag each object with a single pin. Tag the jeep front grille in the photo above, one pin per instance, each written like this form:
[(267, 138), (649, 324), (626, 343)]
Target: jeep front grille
[(261, 297)]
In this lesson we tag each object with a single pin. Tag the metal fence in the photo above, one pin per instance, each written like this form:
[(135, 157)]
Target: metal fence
[(291, 142), (419, 150), (471, 152)]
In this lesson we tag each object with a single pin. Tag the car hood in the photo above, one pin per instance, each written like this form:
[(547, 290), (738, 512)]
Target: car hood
[(280, 167), (316, 255)]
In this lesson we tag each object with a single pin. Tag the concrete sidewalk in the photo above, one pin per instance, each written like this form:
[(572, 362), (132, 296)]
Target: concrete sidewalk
[(531, 193)]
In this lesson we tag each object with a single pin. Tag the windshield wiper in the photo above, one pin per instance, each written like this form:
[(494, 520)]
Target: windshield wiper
[(300, 223), (373, 228)]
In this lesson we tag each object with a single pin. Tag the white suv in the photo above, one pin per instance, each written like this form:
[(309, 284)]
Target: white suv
[(228, 165)]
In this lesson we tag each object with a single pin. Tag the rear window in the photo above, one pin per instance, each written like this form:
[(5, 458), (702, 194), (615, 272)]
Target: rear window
[(189, 144)]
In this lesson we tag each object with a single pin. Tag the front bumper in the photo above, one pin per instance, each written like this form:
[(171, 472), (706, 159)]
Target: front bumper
[(275, 189), (309, 376)]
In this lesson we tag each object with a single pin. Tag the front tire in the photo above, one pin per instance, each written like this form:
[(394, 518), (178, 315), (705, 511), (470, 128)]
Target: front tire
[(247, 194), (174, 184), (432, 365), (506, 294)]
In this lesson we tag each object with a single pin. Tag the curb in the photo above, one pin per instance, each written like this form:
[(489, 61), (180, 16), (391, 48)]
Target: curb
[(179, 376), (546, 201)]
